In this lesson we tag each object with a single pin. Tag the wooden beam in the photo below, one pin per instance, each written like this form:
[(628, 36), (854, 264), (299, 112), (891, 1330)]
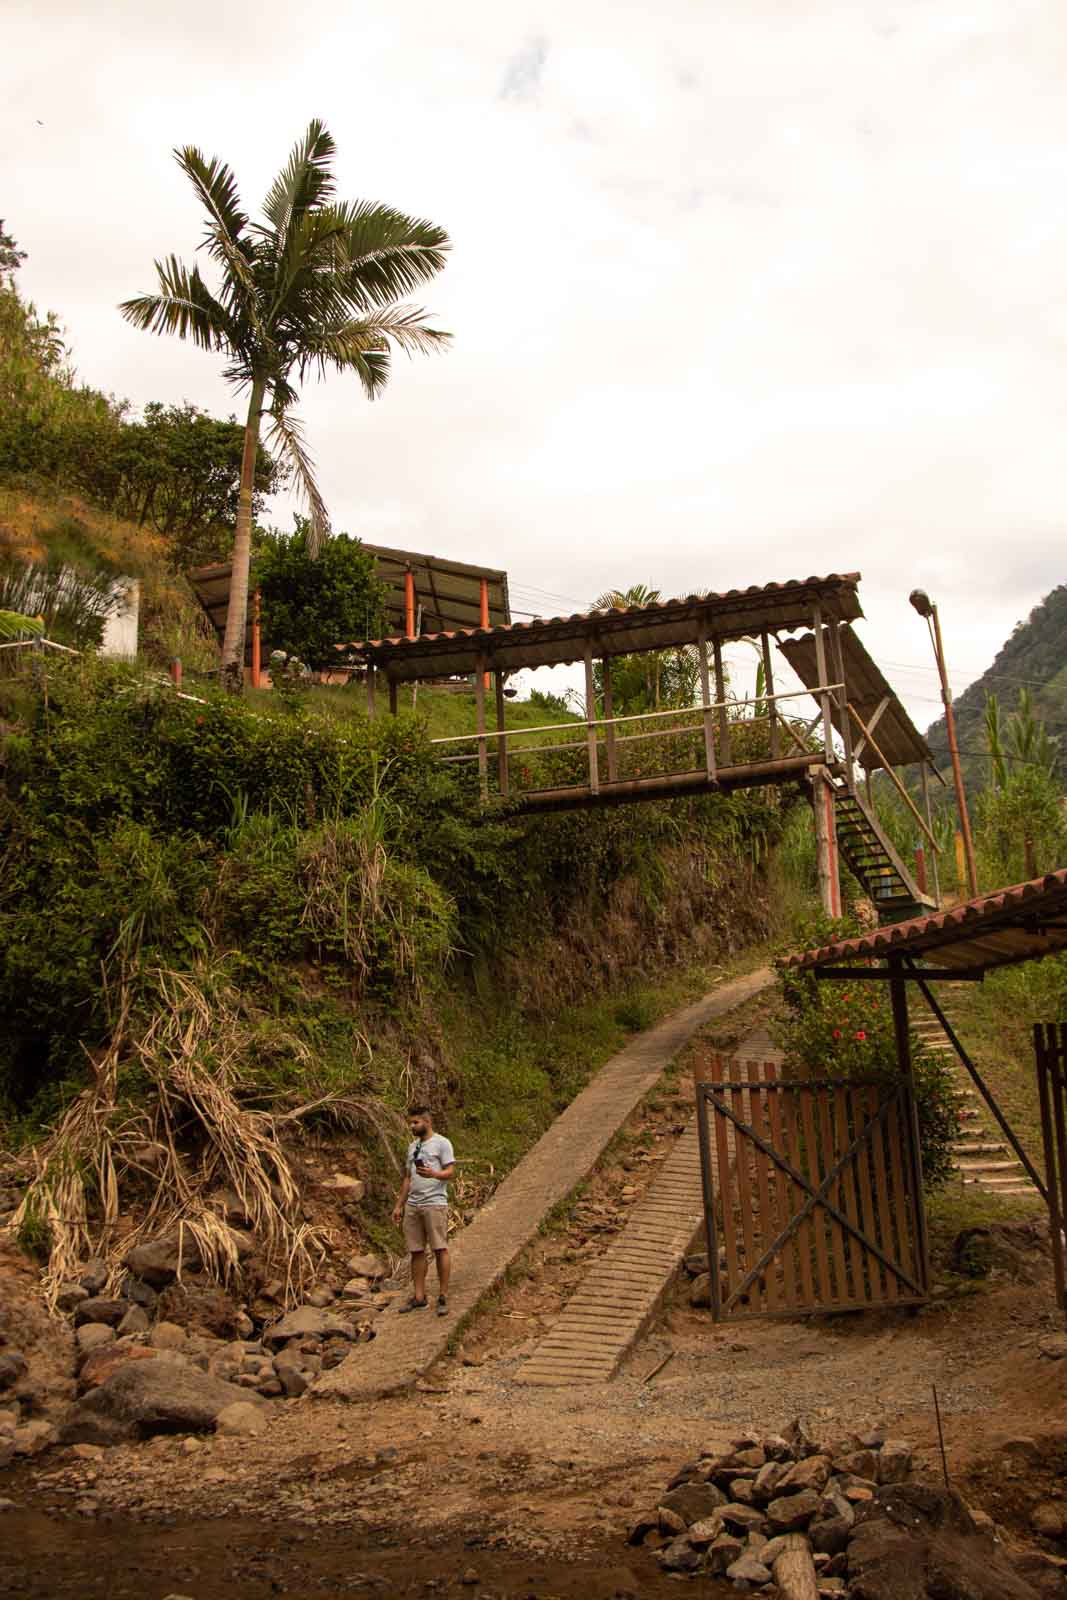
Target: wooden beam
[(502, 743), (590, 713), (834, 628), (705, 697), (720, 695), (924, 782), (905, 796), (825, 843), (882, 974), (824, 679), (768, 684), (883, 705), (609, 712), (480, 676), (898, 999)]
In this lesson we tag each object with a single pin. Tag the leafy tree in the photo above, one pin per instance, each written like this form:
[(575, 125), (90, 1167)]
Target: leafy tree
[(11, 257), (314, 286), (310, 604), (653, 680)]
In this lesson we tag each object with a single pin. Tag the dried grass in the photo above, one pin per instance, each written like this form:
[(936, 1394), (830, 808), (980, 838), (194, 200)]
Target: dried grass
[(194, 1053)]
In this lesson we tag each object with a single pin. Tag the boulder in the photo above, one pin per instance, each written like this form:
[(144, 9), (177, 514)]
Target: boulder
[(70, 1295), (694, 1501), (159, 1261), (1049, 1519), (700, 1291), (135, 1321), (12, 1367), (167, 1336), (811, 1473), (860, 1464), (242, 1417), (148, 1397), (367, 1266), (100, 1364), (94, 1275), (93, 1336), (748, 1568), (678, 1556), (894, 1461), (791, 1513), (305, 1321), (97, 1308), (33, 1437), (912, 1542)]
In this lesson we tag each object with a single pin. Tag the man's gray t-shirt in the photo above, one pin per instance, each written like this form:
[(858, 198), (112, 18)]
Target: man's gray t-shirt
[(436, 1151)]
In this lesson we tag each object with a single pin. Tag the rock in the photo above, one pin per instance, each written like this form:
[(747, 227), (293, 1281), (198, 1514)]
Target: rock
[(725, 1550), (791, 1513), (348, 1188), (741, 1519), (811, 1473), (1053, 1346), (356, 1289), (367, 1266), (748, 1569), (230, 1207), (243, 1326), (1049, 1520), (241, 1417), (913, 1541), (742, 1491), (696, 1263), (97, 1308), (694, 1501), (894, 1461), (9, 1420), (860, 1464), (1043, 1574), (829, 1536), (775, 1448), (471, 1577), (874, 1438), (100, 1364), (87, 1452), (167, 1336), (844, 1446), (135, 1321), (70, 1295), (775, 1547), (321, 1298), (678, 1556), (308, 1320), (670, 1522), (33, 1437), (94, 1275), (700, 1291), (705, 1532), (767, 1480), (800, 1442), (159, 1261), (7, 1449), (140, 1293), (8, 1505), (748, 1456), (12, 1367), (641, 1529), (835, 1504), (92, 1336), (148, 1397)]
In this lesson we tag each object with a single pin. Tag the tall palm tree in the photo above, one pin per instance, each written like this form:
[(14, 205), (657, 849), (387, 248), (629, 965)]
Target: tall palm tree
[(315, 286)]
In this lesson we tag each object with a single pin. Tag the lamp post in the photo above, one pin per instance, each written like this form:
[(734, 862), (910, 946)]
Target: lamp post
[(928, 611)]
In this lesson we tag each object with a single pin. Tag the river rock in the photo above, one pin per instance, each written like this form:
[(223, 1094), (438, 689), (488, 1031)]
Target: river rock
[(148, 1397), (678, 1556), (100, 1364), (241, 1417), (791, 1513), (367, 1266), (308, 1321), (168, 1336), (811, 1473), (694, 1501), (98, 1308), (159, 1261), (748, 1568), (92, 1336)]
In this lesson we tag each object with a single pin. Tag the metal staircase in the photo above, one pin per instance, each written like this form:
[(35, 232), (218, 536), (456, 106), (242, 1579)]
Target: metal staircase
[(873, 860)]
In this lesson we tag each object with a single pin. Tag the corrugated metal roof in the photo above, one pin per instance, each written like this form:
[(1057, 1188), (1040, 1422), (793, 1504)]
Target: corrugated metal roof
[(894, 732), (550, 641), (449, 592), (1020, 923)]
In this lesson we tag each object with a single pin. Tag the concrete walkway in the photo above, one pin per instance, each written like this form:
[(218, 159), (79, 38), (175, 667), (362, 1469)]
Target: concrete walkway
[(407, 1346)]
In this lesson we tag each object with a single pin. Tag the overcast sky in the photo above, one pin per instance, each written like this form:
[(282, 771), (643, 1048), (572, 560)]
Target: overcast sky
[(742, 290)]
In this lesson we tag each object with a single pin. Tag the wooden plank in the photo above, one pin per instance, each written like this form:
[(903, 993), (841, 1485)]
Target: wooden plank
[(502, 743), (479, 706), (824, 679), (815, 1175), (705, 696), (590, 719), (720, 695), (829, 1148), (884, 1233), (854, 1251), (901, 1203), (1046, 1087), (791, 1150), (767, 1231), (722, 1154), (768, 684), (609, 712), (744, 1152), (1060, 1124), (782, 1187)]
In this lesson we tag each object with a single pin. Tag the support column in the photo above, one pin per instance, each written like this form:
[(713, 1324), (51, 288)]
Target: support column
[(257, 643), (924, 781), (609, 712), (479, 705), (705, 697), (720, 695), (768, 688), (392, 696), (834, 629), (822, 796), (898, 997), (502, 743), (483, 612), (590, 720), (824, 679), (409, 604)]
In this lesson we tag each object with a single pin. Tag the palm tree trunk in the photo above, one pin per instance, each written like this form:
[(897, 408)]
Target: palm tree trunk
[(233, 643)]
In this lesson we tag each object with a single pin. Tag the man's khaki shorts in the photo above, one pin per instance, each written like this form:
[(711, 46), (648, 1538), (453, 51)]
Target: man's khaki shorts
[(425, 1228)]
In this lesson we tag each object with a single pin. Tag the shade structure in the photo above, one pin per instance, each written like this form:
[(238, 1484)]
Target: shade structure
[(448, 593), (1021, 923), (893, 734), (552, 641)]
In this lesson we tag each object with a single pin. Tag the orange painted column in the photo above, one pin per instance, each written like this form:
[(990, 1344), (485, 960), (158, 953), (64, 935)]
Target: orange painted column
[(409, 604), (256, 640), (484, 599)]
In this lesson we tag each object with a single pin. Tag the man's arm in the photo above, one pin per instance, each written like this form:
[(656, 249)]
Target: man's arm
[(402, 1198)]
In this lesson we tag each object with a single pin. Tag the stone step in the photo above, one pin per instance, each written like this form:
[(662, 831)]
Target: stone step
[(988, 1166)]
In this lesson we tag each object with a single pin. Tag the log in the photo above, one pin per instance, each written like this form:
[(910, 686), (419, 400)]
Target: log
[(794, 1570)]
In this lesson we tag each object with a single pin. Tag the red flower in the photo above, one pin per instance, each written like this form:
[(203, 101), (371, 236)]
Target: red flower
[(837, 1033), (861, 1034)]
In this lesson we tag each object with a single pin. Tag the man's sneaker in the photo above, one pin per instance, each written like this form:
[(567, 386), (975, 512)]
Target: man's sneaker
[(413, 1305), (442, 1306)]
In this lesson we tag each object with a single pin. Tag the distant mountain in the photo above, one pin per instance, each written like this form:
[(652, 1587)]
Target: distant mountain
[(1034, 657)]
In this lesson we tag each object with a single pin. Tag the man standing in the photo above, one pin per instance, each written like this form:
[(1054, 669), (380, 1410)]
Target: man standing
[(422, 1205)]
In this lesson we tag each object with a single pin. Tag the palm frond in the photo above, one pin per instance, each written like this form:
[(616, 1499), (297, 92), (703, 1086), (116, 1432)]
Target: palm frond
[(225, 238), (185, 306), (363, 344), (304, 182), (286, 433), (13, 625), (387, 254)]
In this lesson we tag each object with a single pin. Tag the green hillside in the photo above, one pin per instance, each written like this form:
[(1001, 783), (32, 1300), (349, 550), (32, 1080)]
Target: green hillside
[(1034, 657)]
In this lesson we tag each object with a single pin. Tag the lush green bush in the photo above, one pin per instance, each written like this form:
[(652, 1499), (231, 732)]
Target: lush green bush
[(308, 606), (836, 1029)]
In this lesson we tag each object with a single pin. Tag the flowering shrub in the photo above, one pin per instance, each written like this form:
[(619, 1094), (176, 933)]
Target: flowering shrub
[(836, 1029)]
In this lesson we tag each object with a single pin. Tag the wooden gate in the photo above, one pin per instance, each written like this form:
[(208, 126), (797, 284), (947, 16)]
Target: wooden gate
[(812, 1194), (1050, 1048)]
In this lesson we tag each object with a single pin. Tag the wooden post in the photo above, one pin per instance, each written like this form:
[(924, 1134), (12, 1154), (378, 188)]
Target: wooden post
[(479, 704), (392, 694), (257, 644), (609, 712), (590, 719), (794, 1570), (824, 679), (483, 611), (920, 868), (961, 865), (768, 689), (822, 796), (502, 743), (409, 604), (720, 695), (898, 997), (924, 781), (371, 707), (176, 672), (842, 699), (705, 696)]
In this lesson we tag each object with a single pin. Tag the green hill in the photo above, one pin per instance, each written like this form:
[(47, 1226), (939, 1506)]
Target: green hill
[(1034, 657)]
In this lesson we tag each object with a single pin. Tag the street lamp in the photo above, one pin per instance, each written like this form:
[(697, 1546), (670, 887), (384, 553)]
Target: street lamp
[(928, 611)]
